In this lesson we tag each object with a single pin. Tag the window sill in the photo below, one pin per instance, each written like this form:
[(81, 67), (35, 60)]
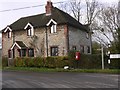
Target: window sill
[(54, 33)]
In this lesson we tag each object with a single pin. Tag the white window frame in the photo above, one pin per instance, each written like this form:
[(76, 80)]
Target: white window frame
[(30, 32), (9, 32), (53, 29)]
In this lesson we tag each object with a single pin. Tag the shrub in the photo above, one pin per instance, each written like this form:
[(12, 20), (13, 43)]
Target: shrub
[(4, 61), (87, 61), (39, 62), (50, 62), (115, 64), (71, 58), (61, 61), (19, 62), (90, 61), (30, 62), (56, 62)]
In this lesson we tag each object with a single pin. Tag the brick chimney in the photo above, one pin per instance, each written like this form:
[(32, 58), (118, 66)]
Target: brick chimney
[(48, 8)]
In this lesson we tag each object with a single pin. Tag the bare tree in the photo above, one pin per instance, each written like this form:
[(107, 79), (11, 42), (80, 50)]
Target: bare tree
[(93, 10), (102, 20), (108, 17), (75, 7), (82, 9)]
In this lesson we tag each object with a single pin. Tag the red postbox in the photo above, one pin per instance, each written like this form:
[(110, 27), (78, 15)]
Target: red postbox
[(77, 56)]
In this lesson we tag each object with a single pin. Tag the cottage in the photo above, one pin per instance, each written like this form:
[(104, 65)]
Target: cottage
[(53, 33)]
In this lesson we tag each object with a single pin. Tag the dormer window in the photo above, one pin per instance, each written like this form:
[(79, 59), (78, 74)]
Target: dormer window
[(8, 30), (9, 34), (53, 29), (30, 29), (53, 26)]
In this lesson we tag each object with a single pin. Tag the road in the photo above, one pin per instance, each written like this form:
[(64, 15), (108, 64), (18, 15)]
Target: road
[(23, 79)]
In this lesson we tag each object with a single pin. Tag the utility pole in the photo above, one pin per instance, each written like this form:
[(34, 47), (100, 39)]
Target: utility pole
[(102, 52)]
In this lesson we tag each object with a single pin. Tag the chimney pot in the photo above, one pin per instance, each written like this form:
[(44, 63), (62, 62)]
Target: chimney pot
[(49, 8)]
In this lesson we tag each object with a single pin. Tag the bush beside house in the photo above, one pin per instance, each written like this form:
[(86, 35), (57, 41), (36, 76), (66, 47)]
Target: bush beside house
[(86, 62)]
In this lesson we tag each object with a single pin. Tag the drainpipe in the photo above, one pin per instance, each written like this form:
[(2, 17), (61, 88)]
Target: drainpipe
[(67, 37), (46, 40)]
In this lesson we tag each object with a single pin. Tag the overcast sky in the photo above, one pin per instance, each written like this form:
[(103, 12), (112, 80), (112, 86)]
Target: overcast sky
[(8, 17)]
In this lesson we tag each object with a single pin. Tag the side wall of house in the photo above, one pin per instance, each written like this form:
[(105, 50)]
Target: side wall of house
[(6, 44), (78, 38)]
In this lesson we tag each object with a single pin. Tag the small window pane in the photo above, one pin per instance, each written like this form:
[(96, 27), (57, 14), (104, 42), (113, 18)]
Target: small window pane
[(82, 49), (9, 34), (74, 48), (87, 35), (22, 52), (54, 51), (31, 52), (88, 49), (9, 53)]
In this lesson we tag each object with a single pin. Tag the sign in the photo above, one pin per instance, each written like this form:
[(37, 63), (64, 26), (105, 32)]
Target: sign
[(109, 61), (112, 56)]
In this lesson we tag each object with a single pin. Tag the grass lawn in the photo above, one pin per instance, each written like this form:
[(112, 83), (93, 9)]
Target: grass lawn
[(33, 69)]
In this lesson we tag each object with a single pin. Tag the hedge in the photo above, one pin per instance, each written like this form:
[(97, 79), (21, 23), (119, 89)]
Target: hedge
[(50, 62), (4, 61), (87, 61)]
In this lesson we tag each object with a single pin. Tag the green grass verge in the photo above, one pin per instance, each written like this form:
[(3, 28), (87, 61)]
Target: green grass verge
[(33, 69)]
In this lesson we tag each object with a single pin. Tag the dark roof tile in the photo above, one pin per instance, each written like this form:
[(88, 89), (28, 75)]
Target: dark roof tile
[(41, 20), (21, 44)]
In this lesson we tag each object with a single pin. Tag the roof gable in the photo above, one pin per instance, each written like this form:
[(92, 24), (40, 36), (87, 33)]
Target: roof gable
[(8, 28), (51, 21), (28, 26), (19, 44)]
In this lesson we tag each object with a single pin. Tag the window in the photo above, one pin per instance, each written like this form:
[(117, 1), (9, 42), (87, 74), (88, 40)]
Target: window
[(22, 52), (9, 54), (54, 51), (8, 31), (81, 48), (88, 49), (30, 52), (30, 29), (30, 32), (53, 29), (9, 34), (73, 47)]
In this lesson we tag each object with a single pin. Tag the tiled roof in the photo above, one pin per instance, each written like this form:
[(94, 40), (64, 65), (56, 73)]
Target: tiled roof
[(41, 20)]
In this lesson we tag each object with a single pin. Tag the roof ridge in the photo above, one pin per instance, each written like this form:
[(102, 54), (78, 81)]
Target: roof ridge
[(40, 20), (32, 16)]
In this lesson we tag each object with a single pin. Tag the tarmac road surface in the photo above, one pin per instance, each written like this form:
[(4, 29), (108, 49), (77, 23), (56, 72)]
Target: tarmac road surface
[(23, 79)]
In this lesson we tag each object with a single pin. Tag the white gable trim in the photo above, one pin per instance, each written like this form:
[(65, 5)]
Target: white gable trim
[(8, 28), (32, 29), (50, 22), (16, 45), (28, 25)]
